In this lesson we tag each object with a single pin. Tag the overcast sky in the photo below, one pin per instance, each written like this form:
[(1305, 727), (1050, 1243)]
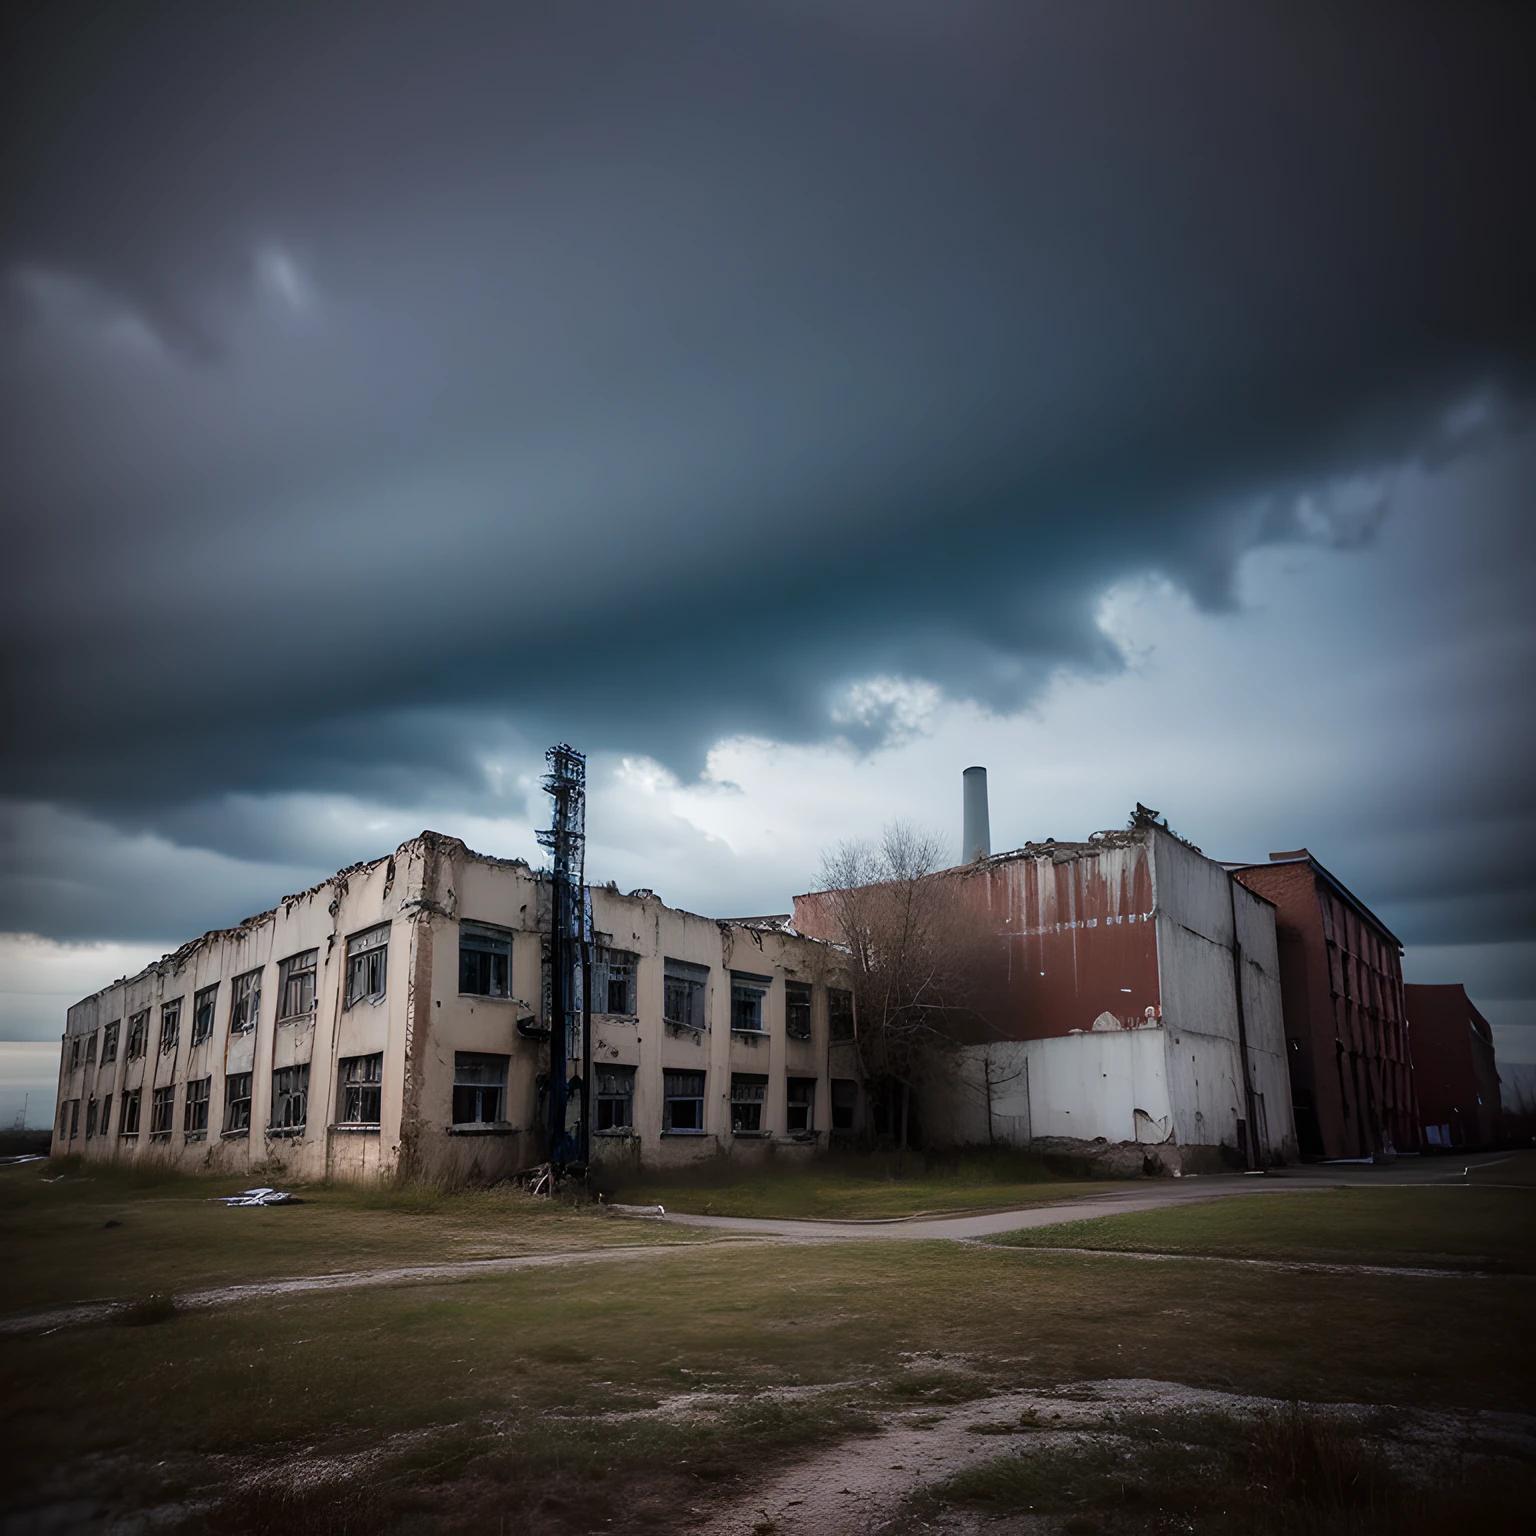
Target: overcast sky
[(787, 404)]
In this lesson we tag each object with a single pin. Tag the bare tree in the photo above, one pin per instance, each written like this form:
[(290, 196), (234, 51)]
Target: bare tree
[(899, 913)]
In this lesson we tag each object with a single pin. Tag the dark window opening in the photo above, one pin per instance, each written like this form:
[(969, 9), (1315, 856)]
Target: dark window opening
[(485, 961), (479, 1088), (797, 1010), (91, 1110), (290, 1098), (683, 994), (130, 1121), (244, 1002), (170, 1028), (800, 1104), (202, 1014), (367, 955), (615, 1108), (296, 986), (747, 993), (748, 1090), (162, 1111), (237, 1102), (90, 1048), (138, 1030), (845, 1102), (104, 1128), (361, 1078), (682, 1106), (194, 1116), (613, 981), (109, 1042)]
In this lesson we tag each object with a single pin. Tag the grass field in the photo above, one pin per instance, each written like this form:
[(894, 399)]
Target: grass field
[(1489, 1229), (599, 1397), (863, 1189)]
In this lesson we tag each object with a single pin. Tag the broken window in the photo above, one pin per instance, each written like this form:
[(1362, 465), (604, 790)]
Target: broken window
[(90, 1048), (202, 1013), (109, 1042), (613, 981), (682, 1107), (237, 1102), (845, 1101), (615, 1097), (748, 1090), (74, 1118), (90, 1119), (800, 1104), (361, 1077), (797, 1010), (130, 1123), (296, 987), (683, 994), (747, 993), (839, 1014), (245, 1002), (138, 1029), (74, 1051), (479, 1088), (194, 1115), (103, 1126), (485, 961), (366, 957), (170, 1027), (162, 1110), (290, 1098)]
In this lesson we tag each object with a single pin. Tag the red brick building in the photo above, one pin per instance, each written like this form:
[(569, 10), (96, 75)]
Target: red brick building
[(1454, 1073), (1341, 984)]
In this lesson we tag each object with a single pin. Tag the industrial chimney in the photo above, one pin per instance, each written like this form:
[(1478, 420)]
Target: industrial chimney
[(977, 841)]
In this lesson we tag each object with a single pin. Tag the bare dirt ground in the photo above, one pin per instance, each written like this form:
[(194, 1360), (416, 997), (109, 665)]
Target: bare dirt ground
[(858, 1488)]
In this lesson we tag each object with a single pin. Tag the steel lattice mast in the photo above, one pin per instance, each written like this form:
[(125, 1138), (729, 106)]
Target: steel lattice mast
[(566, 840)]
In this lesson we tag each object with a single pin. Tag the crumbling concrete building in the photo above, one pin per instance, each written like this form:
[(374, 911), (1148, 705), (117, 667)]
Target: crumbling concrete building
[(394, 1018), (1346, 1033), (1129, 1011)]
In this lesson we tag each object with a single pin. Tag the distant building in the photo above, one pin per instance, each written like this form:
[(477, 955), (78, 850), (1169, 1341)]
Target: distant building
[(1341, 982), (394, 1019), (1133, 1001), (1454, 1073)]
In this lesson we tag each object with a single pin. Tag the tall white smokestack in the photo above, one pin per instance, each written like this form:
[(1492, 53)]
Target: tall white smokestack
[(977, 841)]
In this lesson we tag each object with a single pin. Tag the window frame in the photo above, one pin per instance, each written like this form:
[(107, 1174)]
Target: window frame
[(840, 1007), (360, 1087), (109, 1036), (245, 1001), (799, 1010), (128, 1120), (467, 1087), (368, 960), (138, 1034), (205, 1002), (685, 978), (673, 1094), (749, 995), (170, 1027), (162, 1112), (90, 1048), (493, 944), (749, 1098), (616, 967), (92, 1109), (803, 1108), (610, 1096), (302, 965), (232, 1082), (282, 1121), (194, 1109), (104, 1125)]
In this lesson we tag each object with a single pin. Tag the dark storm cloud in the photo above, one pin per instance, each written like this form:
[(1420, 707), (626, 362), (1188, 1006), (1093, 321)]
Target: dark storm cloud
[(649, 373)]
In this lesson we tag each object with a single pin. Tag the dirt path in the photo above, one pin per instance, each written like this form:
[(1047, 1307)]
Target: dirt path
[(854, 1487)]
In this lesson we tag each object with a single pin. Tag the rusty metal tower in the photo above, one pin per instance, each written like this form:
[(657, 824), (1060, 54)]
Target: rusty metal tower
[(566, 840)]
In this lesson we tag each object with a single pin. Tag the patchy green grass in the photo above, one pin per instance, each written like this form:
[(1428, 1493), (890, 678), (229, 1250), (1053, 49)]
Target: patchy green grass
[(1473, 1228), (1270, 1474), (531, 1399), (865, 1188), (76, 1233)]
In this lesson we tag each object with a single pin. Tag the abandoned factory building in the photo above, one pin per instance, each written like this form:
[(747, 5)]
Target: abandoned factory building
[(1129, 997), (394, 1018)]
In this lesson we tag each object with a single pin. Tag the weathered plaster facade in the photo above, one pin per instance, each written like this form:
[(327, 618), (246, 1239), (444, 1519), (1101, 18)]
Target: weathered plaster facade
[(412, 1041)]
